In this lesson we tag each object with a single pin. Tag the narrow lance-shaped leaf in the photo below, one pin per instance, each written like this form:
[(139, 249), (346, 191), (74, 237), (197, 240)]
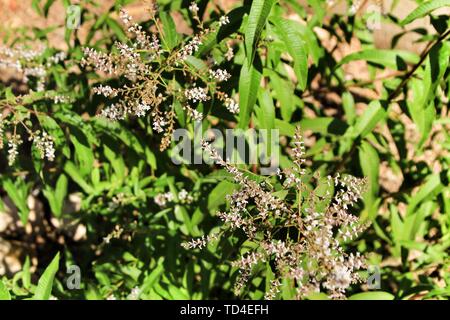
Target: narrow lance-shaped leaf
[(56, 196), (370, 164), (18, 195), (386, 58), (284, 93), (257, 18), (424, 9), (430, 189), (296, 48), (348, 103), (421, 106), (170, 36), (249, 81), (45, 284), (372, 115), (266, 116), (374, 295), (26, 275), (117, 29)]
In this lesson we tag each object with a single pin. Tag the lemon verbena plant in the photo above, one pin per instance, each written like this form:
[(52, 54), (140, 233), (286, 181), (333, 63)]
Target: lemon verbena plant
[(110, 112)]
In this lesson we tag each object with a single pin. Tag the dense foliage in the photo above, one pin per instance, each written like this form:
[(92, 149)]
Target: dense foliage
[(87, 139)]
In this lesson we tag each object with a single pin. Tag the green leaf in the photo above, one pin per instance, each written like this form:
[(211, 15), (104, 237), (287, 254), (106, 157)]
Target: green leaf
[(217, 195), (47, 6), (18, 193), (56, 196), (259, 12), (4, 293), (296, 48), (249, 81), (83, 150), (182, 215), (36, 7), (284, 93), (318, 296), (45, 284), (429, 190), (269, 276), (421, 106), (348, 103), (424, 9), (397, 227), (372, 115), (196, 64), (26, 275), (117, 29), (151, 279), (370, 164), (286, 128), (387, 58), (324, 125), (212, 39), (170, 35), (266, 112), (75, 175), (373, 295)]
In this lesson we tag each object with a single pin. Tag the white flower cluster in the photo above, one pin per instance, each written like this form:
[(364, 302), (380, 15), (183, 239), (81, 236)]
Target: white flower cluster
[(141, 109), (229, 55), (133, 63), (29, 63), (125, 17), (45, 145), (159, 122), (231, 105), (185, 197), (38, 72), (113, 113), (339, 279), (197, 94), (154, 44), (200, 242), (193, 8), (105, 91), (100, 60), (219, 75), (56, 58), (195, 114), (190, 48), (273, 291), (59, 98), (141, 60), (162, 199), (224, 20), (13, 146)]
